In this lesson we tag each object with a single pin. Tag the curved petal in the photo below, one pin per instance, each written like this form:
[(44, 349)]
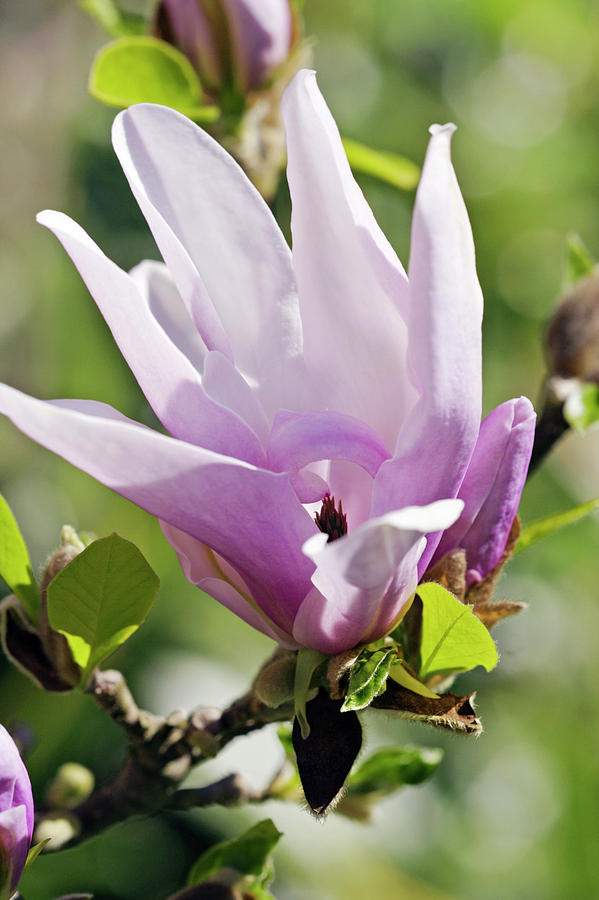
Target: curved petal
[(298, 439), (492, 487), (350, 281), (225, 385), (216, 233), (436, 442), (261, 36), (14, 842), (156, 285), (354, 574), (167, 378), (206, 569), (229, 505)]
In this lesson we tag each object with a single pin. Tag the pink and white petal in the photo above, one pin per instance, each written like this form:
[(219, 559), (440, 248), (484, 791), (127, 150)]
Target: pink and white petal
[(213, 574), (352, 286), (261, 32), (250, 516), (169, 381), (227, 386), (435, 444), (353, 486), (14, 842), (492, 487), (354, 573), (215, 230), (298, 439), (157, 287)]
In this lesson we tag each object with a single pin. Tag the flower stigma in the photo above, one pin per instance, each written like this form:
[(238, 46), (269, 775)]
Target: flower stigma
[(331, 519)]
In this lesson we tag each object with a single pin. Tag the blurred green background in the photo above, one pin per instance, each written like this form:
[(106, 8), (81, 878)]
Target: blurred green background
[(513, 814)]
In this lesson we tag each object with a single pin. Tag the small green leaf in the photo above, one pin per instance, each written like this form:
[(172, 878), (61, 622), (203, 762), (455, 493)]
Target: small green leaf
[(147, 70), (581, 409), (389, 769), (114, 20), (307, 663), (15, 566), (453, 638), (543, 528), (402, 173), (400, 674), (284, 735), (100, 599), (34, 852), (248, 854), (579, 262), (368, 677)]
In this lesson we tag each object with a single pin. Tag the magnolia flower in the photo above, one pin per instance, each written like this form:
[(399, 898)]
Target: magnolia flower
[(286, 378), (16, 814), (239, 42)]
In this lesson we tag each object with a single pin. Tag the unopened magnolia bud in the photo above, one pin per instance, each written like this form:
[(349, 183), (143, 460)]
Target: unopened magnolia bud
[(274, 683), (58, 829), (72, 784), (70, 546), (572, 338)]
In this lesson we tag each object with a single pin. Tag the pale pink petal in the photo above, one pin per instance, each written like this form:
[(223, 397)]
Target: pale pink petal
[(156, 285), (251, 517), (261, 33), (351, 284), (437, 440), (354, 574), (14, 842), (225, 385), (298, 439), (492, 487), (210, 572), (167, 378), (215, 230)]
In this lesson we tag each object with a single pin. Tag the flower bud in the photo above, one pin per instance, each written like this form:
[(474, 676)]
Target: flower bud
[(72, 784), (572, 338), (16, 814), (231, 43)]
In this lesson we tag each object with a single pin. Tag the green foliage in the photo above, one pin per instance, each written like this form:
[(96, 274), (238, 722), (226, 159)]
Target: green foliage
[(402, 173), (15, 565), (307, 663), (579, 262), (34, 852), (453, 639), (543, 528), (113, 19), (368, 677), (400, 674), (247, 854), (147, 70), (389, 769), (100, 599), (581, 409)]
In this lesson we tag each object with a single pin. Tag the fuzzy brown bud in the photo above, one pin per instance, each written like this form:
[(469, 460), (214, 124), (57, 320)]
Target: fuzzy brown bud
[(572, 338)]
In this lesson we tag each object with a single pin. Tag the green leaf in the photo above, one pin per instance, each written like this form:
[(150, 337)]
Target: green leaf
[(15, 566), (579, 262), (542, 528), (147, 70), (307, 663), (247, 854), (453, 638), (368, 677), (100, 599), (34, 852), (390, 167), (389, 769), (581, 409), (400, 674), (114, 20)]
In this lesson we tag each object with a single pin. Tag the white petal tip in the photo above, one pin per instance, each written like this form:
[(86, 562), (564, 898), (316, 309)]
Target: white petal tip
[(314, 545), (447, 129)]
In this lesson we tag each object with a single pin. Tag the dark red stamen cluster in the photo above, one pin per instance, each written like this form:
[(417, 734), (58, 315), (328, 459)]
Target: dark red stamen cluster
[(331, 519)]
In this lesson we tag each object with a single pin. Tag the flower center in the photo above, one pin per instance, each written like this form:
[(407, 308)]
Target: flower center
[(331, 519)]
